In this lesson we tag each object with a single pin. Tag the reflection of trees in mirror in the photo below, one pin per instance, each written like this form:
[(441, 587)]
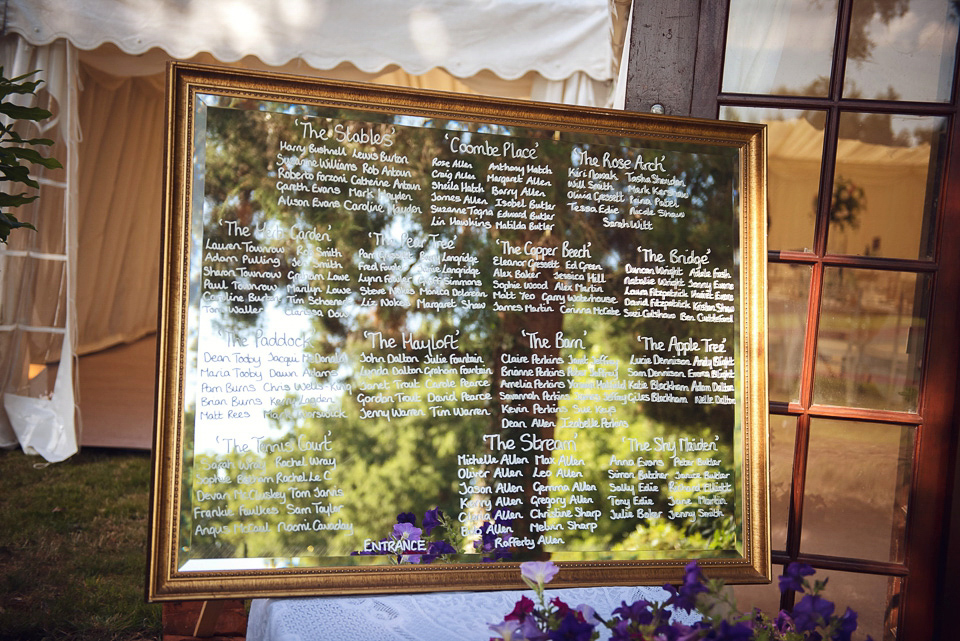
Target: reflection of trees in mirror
[(386, 449)]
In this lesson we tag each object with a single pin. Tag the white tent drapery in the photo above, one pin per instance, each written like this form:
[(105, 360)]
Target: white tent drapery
[(102, 62), (36, 321), (554, 38)]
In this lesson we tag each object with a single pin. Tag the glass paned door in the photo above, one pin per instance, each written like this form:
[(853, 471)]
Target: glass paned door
[(858, 98)]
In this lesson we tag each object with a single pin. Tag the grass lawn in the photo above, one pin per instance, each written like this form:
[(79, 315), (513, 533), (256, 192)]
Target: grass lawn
[(73, 539)]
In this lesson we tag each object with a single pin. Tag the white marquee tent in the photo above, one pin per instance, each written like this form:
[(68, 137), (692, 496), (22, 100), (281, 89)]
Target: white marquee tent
[(89, 278)]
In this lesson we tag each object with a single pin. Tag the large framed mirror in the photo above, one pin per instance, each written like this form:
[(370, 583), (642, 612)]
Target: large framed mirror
[(409, 339)]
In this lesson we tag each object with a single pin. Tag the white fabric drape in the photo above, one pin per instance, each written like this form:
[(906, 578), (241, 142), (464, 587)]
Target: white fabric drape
[(555, 38), (121, 165), (579, 89), (436, 616), (755, 41), (619, 98), (37, 317)]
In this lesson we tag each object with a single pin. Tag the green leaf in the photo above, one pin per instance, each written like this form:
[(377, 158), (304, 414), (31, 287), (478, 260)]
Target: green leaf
[(33, 141), (8, 87), (18, 79), (15, 200), (33, 156), (13, 136), (18, 173), (11, 156), (23, 113), (30, 155), (50, 163), (9, 223)]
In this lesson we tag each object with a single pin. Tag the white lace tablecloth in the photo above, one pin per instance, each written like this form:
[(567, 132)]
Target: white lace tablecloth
[(435, 616)]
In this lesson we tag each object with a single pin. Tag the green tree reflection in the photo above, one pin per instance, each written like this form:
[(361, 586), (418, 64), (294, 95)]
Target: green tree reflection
[(407, 370)]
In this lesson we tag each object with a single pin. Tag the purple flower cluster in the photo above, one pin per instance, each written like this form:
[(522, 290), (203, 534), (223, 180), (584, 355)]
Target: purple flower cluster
[(493, 538), (555, 621), (411, 542), (432, 541), (811, 619)]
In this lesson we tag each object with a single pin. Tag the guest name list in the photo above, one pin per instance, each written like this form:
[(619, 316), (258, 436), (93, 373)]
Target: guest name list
[(402, 274)]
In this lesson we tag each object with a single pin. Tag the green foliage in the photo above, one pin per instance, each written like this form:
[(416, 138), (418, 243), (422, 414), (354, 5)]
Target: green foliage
[(392, 434), (16, 152)]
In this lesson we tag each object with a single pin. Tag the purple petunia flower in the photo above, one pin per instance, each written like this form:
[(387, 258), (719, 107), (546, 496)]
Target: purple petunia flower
[(636, 612), (571, 629), (407, 517), (431, 519), (694, 633), (673, 632), (848, 625), (811, 611), (436, 549), (493, 537), (783, 622), (792, 578), (685, 596), (530, 630), (622, 632), (508, 630), (732, 632), (539, 572), (406, 530)]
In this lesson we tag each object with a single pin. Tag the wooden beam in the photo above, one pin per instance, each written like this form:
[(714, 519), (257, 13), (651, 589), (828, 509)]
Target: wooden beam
[(676, 56)]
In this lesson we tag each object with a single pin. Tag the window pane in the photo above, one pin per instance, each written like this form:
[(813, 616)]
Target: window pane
[(783, 439), (886, 185), (794, 157), (855, 495), (766, 597), (788, 290), (781, 48), (875, 599), (870, 340), (901, 50)]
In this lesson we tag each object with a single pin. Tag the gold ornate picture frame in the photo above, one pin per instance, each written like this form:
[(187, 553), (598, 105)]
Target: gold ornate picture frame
[(409, 339)]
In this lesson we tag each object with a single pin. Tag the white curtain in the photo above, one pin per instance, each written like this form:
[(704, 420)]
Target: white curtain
[(755, 40), (119, 189), (37, 301)]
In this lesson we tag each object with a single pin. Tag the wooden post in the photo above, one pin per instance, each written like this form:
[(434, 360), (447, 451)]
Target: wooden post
[(676, 54)]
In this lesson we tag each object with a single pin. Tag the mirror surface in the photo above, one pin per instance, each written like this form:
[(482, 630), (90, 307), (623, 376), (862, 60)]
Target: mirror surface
[(416, 340)]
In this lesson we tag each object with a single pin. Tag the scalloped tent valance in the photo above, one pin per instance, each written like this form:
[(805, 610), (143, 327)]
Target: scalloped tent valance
[(555, 38)]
